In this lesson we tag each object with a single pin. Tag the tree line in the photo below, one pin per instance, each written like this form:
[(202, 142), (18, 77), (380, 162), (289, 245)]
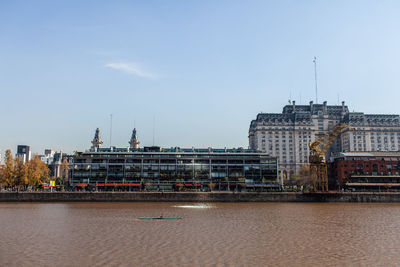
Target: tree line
[(17, 174)]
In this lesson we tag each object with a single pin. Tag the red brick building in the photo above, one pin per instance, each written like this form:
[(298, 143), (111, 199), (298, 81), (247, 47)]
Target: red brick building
[(365, 171)]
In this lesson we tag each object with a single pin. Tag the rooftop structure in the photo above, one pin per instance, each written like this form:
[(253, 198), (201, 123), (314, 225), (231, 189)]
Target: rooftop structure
[(96, 143), (134, 142)]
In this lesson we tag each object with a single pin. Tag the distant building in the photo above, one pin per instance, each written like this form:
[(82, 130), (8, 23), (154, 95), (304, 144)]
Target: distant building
[(55, 165), (49, 152), (48, 156), (24, 152), (286, 135)]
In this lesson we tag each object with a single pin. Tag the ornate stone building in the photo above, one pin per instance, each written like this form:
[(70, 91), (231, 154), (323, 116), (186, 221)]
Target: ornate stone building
[(371, 132), (134, 142), (97, 142), (286, 135)]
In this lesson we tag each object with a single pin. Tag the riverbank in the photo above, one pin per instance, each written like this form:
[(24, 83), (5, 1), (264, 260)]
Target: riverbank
[(198, 197)]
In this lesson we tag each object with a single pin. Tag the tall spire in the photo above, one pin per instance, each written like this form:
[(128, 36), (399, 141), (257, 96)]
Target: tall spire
[(134, 142), (96, 143)]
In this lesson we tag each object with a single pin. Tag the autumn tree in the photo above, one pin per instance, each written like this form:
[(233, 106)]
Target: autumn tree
[(20, 173), (7, 172), (38, 172), (1, 174), (64, 171), (303, 178)]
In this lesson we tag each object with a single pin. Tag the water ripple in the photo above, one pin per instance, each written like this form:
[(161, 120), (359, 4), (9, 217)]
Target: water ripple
[(222, 234)]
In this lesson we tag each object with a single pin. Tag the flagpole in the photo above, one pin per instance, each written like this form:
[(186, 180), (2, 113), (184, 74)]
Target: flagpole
[(315, 77)]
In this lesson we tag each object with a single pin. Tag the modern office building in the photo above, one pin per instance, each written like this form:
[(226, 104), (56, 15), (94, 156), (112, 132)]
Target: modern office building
[(286, 135), (156, 168), (24, 152)]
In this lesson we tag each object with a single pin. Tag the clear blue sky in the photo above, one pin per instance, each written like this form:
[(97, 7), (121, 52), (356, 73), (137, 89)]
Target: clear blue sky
[(202, 69)]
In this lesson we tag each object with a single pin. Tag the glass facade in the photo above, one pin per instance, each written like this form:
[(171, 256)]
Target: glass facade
[(174, 169)]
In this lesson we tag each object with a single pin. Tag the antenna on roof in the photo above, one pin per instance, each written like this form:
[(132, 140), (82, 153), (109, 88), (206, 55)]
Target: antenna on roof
[(111, 117), (154, 126), (315, 77)]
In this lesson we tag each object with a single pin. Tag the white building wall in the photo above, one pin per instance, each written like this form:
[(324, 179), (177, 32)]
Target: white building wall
[(371, 139), (288, 139)]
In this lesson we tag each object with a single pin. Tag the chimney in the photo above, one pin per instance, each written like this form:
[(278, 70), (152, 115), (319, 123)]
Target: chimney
[(343, 108), (294, 106), (311, 106)]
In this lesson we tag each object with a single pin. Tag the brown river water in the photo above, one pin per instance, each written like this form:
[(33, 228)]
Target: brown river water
[(217, 234)]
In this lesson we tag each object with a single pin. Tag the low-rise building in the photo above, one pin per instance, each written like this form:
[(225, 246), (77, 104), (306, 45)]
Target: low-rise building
[(156, 168), (365, 171), (173, 168)]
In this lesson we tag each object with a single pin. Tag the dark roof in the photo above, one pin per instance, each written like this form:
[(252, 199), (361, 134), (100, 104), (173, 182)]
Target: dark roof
[(372, 119)]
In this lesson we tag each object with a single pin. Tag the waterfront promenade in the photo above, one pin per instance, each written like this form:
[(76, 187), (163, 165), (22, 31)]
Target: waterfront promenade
[(199, 197)]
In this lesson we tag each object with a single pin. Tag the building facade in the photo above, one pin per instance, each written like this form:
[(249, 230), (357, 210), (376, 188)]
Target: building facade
[(371, 132), (365, 171), (56, 165), (48, 156), (24, 152), (156, 168), (286, 135), (171, 168)]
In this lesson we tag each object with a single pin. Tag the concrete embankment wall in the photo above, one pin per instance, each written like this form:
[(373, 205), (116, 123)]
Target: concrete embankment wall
[(197, 197)]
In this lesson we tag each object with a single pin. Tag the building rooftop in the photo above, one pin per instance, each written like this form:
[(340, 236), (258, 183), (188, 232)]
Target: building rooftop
[(174, 150), (368, 154), (315, 109), (304, 114)]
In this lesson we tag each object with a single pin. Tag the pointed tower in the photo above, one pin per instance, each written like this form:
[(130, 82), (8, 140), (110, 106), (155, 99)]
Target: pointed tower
[(134, 142), (96, 143)]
